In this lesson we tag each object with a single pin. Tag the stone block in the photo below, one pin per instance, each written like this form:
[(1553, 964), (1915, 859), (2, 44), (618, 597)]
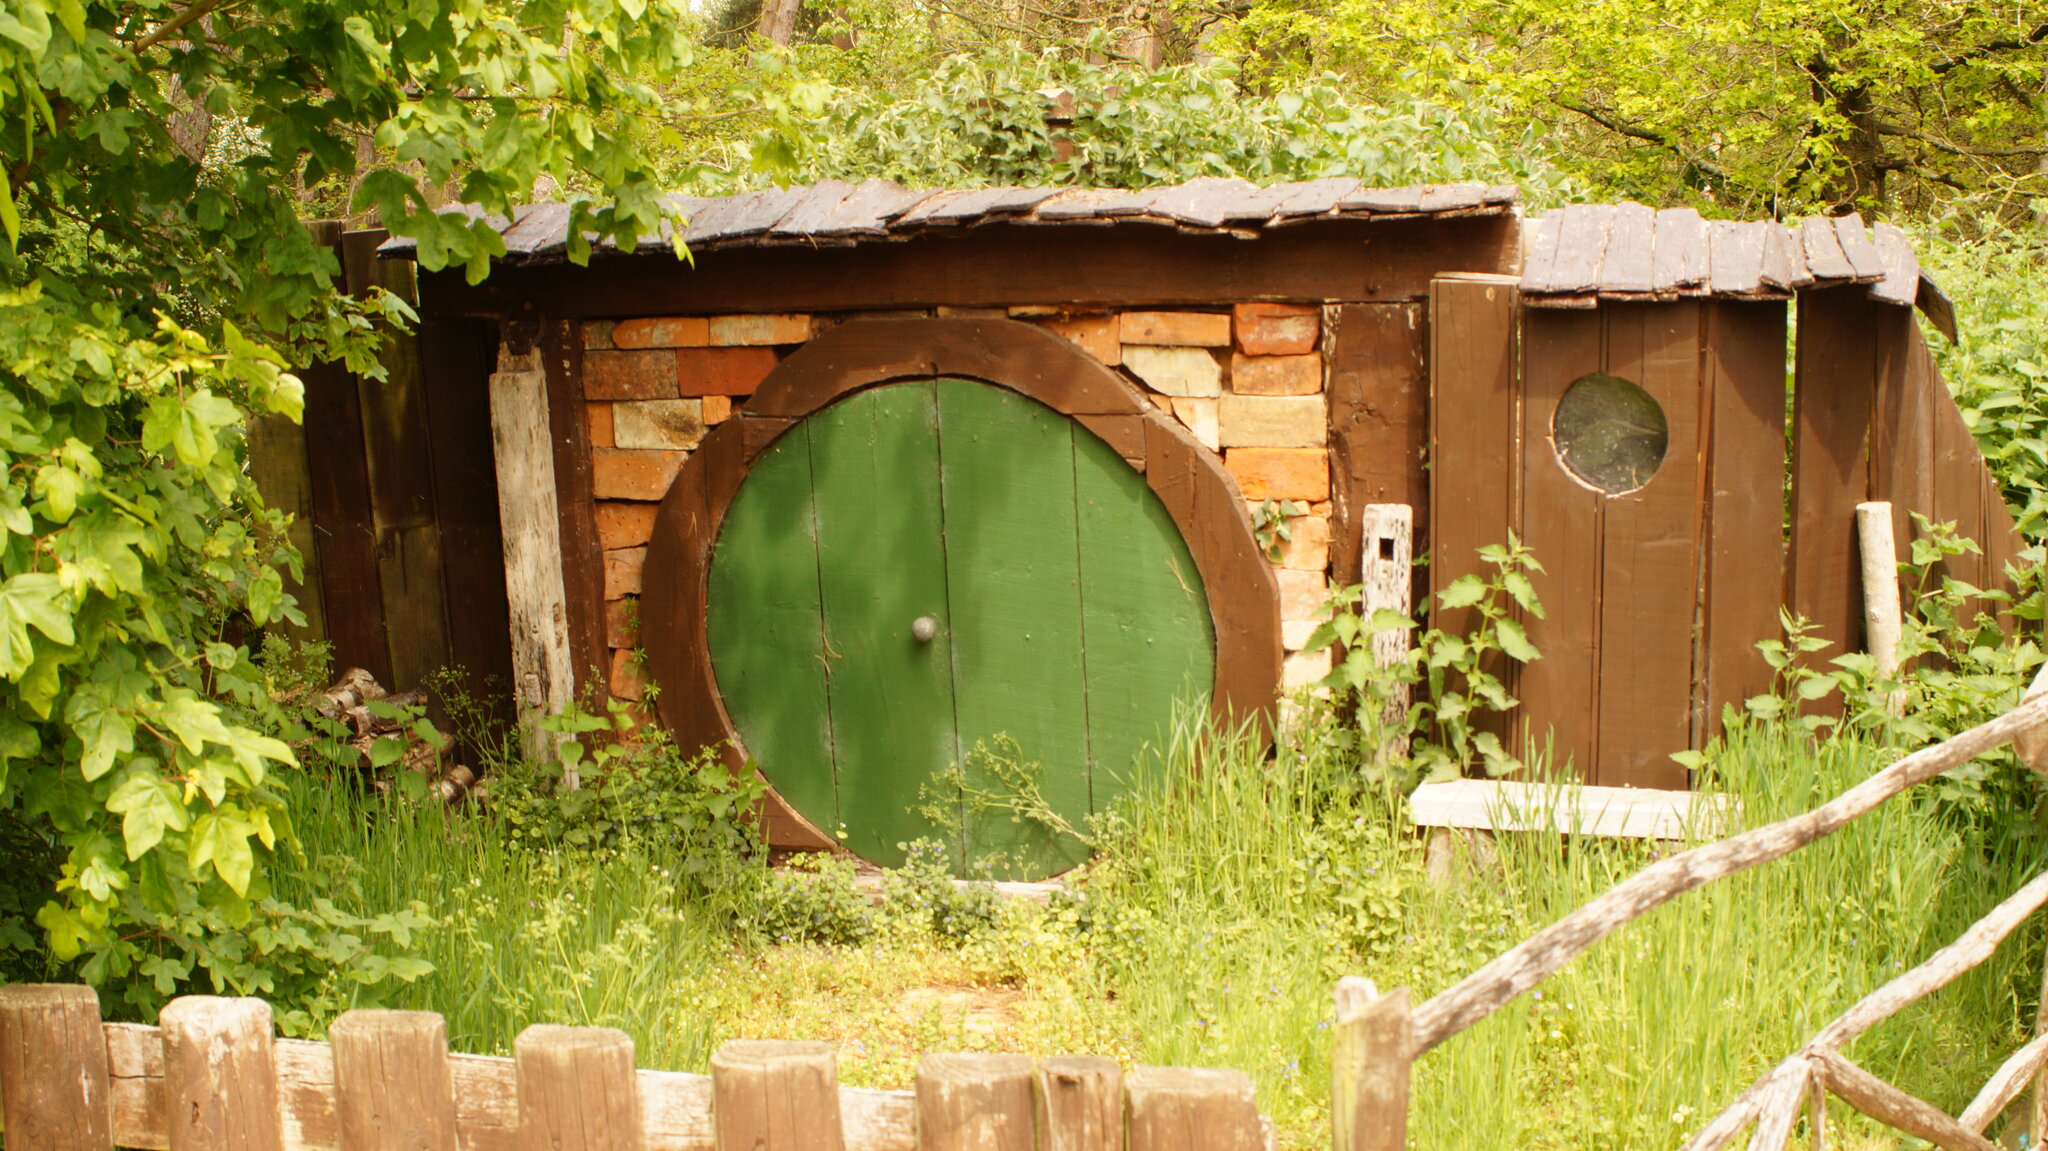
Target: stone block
[(625, 678), (597, 334), (624, 525), (1280, 473), (662, 332), (717, 409), (598, 418), (1035, 311), (622, 622), (642, 374), (759, 331), (1264, 422), (1177, 329), (1199, 416), (1175, 371), (622, 474), (1276, 375), (720, 371), (1294, 633), (1277, 329), (1302, 594), (622, 570), (1095, 335), (668, 425), (1300, 670), (1307, 547)]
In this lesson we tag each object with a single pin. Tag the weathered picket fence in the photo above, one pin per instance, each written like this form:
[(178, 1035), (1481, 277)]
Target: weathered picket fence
[(211, 1077)]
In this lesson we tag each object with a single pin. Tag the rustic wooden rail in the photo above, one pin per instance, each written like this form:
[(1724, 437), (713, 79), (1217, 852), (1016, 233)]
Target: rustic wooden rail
[(211, 1077)]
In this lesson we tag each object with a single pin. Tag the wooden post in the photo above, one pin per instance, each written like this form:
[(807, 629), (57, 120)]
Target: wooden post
[(1192, 1109), (2037, 1119), (1882, 619), (392, 1084), (544, 679), (1387, 568), (578, 1090), (776, 1095), (54, 1089), (1371, 1067), (974, 1103), (220, 1075), (1080, 1104), (2032, 745)]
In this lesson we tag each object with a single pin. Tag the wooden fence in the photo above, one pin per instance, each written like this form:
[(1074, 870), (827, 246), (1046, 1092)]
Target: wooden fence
[(210, 1077)]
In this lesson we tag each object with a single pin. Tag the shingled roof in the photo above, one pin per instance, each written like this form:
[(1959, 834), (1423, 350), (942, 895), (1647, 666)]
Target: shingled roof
[(1573, 257)]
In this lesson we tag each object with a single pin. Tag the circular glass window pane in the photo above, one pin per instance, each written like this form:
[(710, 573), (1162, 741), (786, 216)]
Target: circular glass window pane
[(1609, 433)]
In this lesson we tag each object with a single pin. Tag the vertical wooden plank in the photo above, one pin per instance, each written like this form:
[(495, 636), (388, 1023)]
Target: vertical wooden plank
[(1902, 435), (220, 1076), (1834, 393), (577, 1090), (1561, 522), (882, 565), (561, 347), (55, 1089), (764, 621), (392, 1085), (1375, 374), (1387, 572), (277, 462), (1744, 582), (1145, 615), (1650, 557), (542, 679), (1191, 1109), (456, 357), (398, 455), (776, 1095), (1013, 591), (1371, 1067), (1080, 1100), (1958, 481), (974, 1103)]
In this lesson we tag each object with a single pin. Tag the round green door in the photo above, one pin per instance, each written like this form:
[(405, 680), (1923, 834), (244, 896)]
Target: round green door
[(941, 575)]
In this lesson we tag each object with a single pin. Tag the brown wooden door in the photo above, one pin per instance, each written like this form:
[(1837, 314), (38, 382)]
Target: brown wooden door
[(1662, 569)]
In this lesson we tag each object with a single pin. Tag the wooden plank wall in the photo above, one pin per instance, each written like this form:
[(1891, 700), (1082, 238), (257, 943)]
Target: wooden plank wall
[(396, 495), (1375, 360)]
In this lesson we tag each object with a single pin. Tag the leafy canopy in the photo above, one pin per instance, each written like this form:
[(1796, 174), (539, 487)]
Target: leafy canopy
[(155, 288)]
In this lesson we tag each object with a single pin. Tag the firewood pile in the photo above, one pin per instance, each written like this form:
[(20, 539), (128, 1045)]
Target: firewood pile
[(347, 700)]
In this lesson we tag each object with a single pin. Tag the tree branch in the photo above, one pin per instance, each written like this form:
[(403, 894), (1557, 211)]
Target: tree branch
[(1613, 123), (1889, 129), (174, 25), (2030, 40)]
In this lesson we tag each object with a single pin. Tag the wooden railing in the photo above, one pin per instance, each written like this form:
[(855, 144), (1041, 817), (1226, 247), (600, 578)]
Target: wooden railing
[(1386, 1037), (211, 1077)]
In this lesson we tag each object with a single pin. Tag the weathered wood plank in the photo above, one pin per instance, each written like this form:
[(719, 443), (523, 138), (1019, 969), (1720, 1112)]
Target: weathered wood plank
[(1735, 257), (1833, 396), (544, 680), (1629, 263), (810, 213), (561, 349), (577, 1090), (1316, 197), (1189, 1109), (866, 210), (1375, 365), (1583, 232), (1080, 1100), (1857, 248), (220, 1078), (1387, 574), (1371, 1067), (391, 1081), (1605, 812), (278, 464), (974, 1103), (55, 1081), (1823, 250), (1202, 202), (1784, 260), (1901, 283), (776, 1095), (1680, 263)]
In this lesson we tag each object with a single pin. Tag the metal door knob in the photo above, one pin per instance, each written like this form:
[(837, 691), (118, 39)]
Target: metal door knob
[(924, 628)]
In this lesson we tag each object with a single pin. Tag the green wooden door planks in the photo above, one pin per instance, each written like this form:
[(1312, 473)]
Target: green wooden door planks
[(1067, 619)]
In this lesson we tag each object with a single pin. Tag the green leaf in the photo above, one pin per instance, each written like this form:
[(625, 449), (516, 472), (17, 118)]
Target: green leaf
[(31, 599), (221, 838), (105, 732), (1464, 591), (149, 805), (1515, 641)]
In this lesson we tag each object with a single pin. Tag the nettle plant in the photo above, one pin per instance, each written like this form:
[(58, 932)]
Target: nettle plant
[(1453, 680)]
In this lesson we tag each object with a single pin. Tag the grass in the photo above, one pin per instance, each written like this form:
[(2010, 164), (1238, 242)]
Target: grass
[(1225, 903)]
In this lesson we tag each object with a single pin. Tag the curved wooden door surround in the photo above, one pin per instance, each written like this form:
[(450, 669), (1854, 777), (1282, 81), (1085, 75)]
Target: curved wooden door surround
[(1201, 498)]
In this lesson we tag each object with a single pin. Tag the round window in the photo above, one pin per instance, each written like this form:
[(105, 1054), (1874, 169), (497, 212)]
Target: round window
[(1609, 433)]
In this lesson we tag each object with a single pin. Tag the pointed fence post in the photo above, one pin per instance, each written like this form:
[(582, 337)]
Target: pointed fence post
[(1371, 1067), (54, 1082)]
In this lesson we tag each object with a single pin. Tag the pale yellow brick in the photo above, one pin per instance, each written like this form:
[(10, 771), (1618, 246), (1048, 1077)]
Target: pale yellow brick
[(1294, 633), (1307, 547), (1199, 416), (671, 425), (1305, 669), (1302, 594), (1177, 329), (760, 330), (1175, 371), (1274, 421)]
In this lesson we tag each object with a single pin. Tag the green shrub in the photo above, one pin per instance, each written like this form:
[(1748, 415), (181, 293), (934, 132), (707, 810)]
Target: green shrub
[(812, 899)]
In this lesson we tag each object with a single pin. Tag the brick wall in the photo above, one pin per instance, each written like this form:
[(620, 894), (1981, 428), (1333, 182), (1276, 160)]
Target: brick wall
[(1246, 381)]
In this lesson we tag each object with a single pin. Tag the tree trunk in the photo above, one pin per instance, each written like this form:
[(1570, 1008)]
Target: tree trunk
[(778, 20)]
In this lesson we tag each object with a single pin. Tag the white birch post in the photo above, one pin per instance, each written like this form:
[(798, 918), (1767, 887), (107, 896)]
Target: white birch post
[(1882, 620), (1387, 570)]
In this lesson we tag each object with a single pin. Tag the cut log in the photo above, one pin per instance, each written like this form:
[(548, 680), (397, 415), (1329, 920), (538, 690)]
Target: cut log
[(1893, 1107)]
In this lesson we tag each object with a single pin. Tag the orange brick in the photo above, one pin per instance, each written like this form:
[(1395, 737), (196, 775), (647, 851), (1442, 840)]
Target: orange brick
[(1096, 335), (722, 371), (1272, 329), (662, 332), (1322, 508), (600, 415), (622, 622), (625, 680), (622, 525), (622, 474), (758, 331), (635, 375), (717, 409), (1307, 547), (622, 570), (1176, 329), (1276, 375), (1280, 473)]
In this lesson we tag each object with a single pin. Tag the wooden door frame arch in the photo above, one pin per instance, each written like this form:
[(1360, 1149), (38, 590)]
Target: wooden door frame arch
[(1201, 498)]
